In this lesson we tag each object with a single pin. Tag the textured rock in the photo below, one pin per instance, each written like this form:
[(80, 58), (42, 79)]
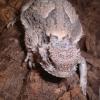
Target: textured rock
[(12, 73), (15, 4)]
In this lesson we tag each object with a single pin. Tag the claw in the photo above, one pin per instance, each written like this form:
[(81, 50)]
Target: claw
[(83, 85), (29, 59), (11, 23), (30, 64), (26, 59)]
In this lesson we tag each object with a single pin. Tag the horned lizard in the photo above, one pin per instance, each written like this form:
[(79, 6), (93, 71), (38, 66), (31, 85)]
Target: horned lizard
[(53, 29)]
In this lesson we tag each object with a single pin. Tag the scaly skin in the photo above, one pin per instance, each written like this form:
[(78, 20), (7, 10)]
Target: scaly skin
[(53, 29)]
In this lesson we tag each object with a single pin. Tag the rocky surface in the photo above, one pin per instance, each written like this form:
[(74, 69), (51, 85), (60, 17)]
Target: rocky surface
[(17, 82)]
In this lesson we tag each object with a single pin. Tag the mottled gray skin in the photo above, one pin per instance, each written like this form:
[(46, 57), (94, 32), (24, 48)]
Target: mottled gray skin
[(52, 29)]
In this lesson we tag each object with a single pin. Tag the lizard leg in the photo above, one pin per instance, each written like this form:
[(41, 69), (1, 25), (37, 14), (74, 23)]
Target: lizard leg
[(11, 23), (29, 59), (83, 76), (45, 58)]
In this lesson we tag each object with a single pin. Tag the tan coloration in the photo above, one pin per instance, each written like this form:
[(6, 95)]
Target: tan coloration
[(60, 17), (56, 24), (59, 32), (57, 20)]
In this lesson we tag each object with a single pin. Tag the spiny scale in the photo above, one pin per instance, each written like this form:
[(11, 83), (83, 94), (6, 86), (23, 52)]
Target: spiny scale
[(52, 30)]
